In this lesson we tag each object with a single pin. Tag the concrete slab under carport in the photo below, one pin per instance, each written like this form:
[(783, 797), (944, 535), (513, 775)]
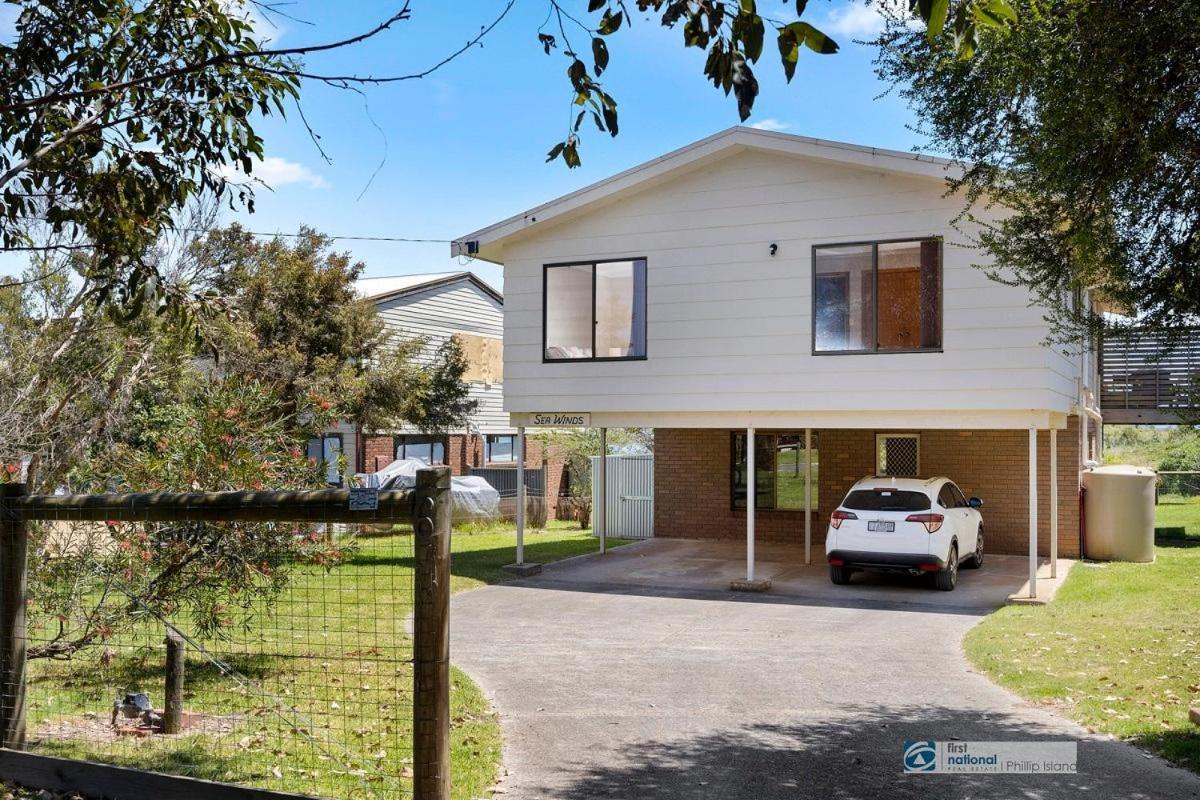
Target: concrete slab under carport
[(705, 566)]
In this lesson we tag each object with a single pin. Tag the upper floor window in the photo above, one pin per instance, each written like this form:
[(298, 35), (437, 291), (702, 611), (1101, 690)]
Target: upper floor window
[(594, 311), (877, 297)]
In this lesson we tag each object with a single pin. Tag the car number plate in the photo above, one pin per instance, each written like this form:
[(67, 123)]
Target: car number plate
[(880, 526)]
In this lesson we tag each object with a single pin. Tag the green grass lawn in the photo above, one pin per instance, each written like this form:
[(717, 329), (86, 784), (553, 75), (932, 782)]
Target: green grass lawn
[(1119, 647), (324, 709), (789, 479)]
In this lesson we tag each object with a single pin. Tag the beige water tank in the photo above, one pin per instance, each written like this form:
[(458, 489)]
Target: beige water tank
[(1119, 513)]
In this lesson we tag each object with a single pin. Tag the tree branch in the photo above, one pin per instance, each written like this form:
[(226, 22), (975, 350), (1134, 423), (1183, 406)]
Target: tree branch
[(225, 58), (342, 81)]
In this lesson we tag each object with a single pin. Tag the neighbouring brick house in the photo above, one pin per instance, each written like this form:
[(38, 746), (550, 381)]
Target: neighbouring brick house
[(768, 288), (438, 306)]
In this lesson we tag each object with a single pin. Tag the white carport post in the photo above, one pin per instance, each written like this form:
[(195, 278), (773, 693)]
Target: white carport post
[(602, 512), (1033, 521), (1054, 502), (520, 496), (808, 495), (751, 492)]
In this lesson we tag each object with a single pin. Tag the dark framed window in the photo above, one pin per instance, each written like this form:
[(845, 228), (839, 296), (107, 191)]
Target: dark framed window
[(594, 311), (499, 448), (430, 449), (779, 462), (877, 297), (327, 450)]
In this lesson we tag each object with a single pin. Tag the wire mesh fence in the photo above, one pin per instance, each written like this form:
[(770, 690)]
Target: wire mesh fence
[(260, 640), (1178, 486)]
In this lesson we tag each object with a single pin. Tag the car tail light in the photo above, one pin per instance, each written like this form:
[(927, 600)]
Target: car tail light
[(835, 519), (932, 522), (837, 562)]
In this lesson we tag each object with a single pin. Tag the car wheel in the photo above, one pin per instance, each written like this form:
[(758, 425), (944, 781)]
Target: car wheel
[(947, 579), (976, 560), (840, 575)]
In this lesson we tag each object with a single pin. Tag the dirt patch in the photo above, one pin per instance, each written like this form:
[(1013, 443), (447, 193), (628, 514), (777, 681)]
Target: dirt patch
[(96, 729)]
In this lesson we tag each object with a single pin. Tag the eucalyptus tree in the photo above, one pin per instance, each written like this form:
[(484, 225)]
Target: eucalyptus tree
[(1083, 123)]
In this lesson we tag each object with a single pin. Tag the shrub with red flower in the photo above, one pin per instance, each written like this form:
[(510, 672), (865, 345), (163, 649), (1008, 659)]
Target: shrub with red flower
[(216, 574)]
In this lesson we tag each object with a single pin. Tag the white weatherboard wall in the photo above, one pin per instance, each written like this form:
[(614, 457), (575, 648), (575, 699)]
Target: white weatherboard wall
[(729, 326), (440, 312)]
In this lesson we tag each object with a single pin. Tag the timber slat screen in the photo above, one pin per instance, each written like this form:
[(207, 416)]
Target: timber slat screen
[(1147, 377), (228, 645)]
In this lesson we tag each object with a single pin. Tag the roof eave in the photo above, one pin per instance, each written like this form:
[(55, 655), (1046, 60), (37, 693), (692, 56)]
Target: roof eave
[(471, 277), (487, 243)]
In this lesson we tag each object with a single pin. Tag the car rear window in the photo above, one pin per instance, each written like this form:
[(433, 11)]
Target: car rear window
[(883, 499)]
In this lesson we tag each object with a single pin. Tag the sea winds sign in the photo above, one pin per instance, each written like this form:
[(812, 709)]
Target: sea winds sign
[(560, 419)]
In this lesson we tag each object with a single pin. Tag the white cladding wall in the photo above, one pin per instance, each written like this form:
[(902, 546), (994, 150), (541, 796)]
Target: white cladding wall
[(729, 327), (440, 312)]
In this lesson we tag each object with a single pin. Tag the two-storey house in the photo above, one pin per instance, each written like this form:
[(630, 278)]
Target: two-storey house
[(784, 291)]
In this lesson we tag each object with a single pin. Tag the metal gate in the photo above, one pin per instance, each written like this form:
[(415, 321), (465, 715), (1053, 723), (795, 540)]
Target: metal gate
[(630, 508)]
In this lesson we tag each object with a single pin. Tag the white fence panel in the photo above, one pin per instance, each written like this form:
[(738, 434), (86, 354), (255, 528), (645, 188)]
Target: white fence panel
[(630, 506)]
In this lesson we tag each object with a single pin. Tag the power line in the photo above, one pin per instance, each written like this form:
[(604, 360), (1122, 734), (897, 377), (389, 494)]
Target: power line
[(343, 238)]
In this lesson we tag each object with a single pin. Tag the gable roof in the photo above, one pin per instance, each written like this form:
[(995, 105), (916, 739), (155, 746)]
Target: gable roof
[(392, 287), (488, 243)]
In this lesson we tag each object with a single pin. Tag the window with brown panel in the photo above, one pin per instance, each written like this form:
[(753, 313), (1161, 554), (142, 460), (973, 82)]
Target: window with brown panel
[(877, 297)]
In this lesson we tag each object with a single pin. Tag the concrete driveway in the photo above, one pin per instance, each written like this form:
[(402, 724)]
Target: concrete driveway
[(614, 679)]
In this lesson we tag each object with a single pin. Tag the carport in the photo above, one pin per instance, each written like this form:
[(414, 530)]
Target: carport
[(1011, 460)]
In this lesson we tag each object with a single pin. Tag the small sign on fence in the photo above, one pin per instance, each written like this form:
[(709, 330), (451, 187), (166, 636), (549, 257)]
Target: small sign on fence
[(364, 499)]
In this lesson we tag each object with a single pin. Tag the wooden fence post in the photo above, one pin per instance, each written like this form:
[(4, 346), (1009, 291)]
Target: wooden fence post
[(14, 544), (173, 690), (431, 635)]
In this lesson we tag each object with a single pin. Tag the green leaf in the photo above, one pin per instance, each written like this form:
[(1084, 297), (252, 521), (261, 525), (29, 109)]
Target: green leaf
[(789, 52), (937, 19), (577, 72), (800, 6), (596, 5), (813, 39), (748, 7), (600, 55), (571, 155), (610, 22), (994, 13), (555, 151), (752, 38), (610, 118)]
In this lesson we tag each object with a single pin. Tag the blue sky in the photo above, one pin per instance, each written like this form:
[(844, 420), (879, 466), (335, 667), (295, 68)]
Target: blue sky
[(465, 147)]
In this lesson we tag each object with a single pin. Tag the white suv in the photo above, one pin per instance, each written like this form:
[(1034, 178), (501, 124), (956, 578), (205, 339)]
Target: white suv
[(905, 524)]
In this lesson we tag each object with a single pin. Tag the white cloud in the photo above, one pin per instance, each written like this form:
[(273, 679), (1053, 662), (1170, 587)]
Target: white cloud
[(856, 20), (275, 172), (771, 124)]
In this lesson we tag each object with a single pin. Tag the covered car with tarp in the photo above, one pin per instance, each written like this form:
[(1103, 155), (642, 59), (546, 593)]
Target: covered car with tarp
[(472, 498)]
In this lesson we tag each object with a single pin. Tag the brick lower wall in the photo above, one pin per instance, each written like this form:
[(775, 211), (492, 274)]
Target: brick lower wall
[(692, 483)]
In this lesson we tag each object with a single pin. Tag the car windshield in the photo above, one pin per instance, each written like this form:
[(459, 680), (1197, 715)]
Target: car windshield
[(884, 499)]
